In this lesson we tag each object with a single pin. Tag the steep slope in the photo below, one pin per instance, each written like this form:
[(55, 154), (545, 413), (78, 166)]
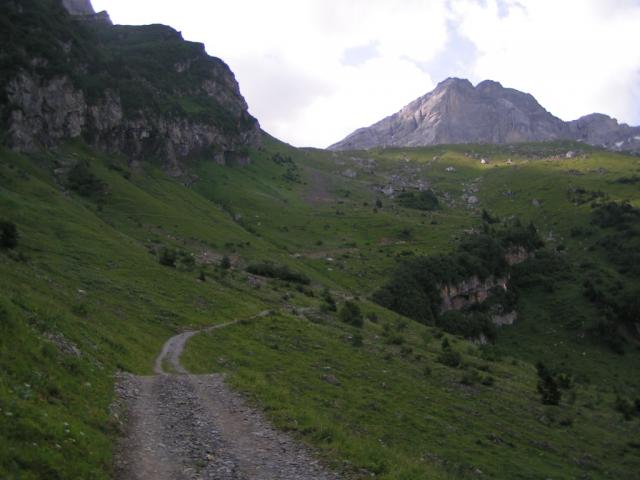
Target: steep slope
[(457, 112), (140, 91)]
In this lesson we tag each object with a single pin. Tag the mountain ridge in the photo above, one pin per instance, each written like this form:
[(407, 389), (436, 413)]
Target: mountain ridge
[(456, 112)]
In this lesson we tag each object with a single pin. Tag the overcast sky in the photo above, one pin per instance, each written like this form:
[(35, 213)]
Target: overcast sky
[(313, 71)]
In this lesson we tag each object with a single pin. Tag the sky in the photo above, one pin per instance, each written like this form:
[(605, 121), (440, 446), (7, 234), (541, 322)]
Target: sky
[(312, 71)]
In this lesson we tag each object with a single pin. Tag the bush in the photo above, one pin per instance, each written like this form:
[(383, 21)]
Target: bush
[(547, 386), (613, 214), (448, 356), (350, 313), (281, 272), (225, 263), (329, 302), (626, 407), (424, 200), (85, 183), (8, 235), (356, 340), (168, 257), (467, 325)]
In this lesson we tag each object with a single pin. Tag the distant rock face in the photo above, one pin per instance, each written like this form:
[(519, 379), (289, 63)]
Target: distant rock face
[(79, 7), (458, 112), (40, 110), (602, 130), (84, 10), (471, 291)]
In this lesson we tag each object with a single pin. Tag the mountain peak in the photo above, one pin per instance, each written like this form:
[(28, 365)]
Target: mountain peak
[(489, 85), (457, 112)]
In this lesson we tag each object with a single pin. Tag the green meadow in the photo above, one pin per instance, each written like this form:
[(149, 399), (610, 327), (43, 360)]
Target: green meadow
[(109, 267)]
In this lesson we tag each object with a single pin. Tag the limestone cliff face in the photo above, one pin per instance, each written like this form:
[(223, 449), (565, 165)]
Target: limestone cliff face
[(473, 291), (457, 112), (167, 100), (469, 292), (44, 112)]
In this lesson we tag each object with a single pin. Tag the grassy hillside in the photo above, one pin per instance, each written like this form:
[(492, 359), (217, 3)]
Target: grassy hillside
[(85, 293)]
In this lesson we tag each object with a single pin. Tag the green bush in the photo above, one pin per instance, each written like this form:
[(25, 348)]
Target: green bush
[(168, 257), (225, 263), (329, 304), (468, 325), (547, 386), (448, 356), (85, 183), (282, 272), (350, 313), (8, 235), (424, 200)]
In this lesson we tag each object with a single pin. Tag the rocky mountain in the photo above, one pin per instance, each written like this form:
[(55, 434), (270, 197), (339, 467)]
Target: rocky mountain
[(457, 112), (84, 10), (144, 91)]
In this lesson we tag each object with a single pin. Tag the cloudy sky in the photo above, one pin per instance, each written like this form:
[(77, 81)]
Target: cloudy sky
[(312, 71)]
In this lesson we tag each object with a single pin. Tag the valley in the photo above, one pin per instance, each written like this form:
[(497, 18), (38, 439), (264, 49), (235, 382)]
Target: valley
[(182, 295)]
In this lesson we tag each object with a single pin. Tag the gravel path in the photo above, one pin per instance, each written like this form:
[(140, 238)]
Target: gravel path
[(182, 426)]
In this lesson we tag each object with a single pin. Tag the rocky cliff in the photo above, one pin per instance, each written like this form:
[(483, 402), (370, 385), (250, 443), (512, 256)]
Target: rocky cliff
[(140, 91), (469, 292), (457, 112)]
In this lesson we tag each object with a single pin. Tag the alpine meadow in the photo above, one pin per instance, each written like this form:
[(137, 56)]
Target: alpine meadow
[(455, 298)]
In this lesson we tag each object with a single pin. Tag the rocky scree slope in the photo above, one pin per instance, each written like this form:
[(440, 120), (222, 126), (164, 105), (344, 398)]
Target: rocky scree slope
[(457, 112), (142, 91)]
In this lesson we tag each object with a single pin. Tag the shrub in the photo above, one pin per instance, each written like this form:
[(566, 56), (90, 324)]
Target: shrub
[(282, 272), (424, 200), (357, 340), (467, 325), (486, 217), (168, 257), (85, 183), (470, 378), (626, 407), (614, 214), (8, 235), (350, 313), (225, 263), (547, 386), (329, 302), (448, 356)]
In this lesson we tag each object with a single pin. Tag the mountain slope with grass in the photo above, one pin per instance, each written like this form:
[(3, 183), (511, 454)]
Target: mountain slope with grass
[(456, 311)]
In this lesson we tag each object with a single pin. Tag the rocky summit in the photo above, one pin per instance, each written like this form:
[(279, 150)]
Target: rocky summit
[(457, 112)]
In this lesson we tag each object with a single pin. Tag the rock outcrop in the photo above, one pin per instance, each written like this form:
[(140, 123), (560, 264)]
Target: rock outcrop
[(471, 291), (83, 9), (457, 112), (193, 108), (79, 7)]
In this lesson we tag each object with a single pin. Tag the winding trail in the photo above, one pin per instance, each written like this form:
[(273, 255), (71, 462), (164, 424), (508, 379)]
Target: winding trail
[(186, 427)]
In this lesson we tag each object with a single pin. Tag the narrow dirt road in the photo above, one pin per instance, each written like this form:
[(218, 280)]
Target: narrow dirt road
[(183, 426)]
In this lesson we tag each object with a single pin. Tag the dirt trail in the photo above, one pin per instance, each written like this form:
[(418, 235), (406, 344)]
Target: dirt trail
[(183, 426)]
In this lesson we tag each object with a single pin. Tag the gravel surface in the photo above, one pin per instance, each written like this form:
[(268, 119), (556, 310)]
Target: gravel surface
[(181, 426)]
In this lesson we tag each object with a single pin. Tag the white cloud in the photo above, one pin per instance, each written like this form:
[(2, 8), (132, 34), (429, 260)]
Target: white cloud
[(574, 56), (294, 59)]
